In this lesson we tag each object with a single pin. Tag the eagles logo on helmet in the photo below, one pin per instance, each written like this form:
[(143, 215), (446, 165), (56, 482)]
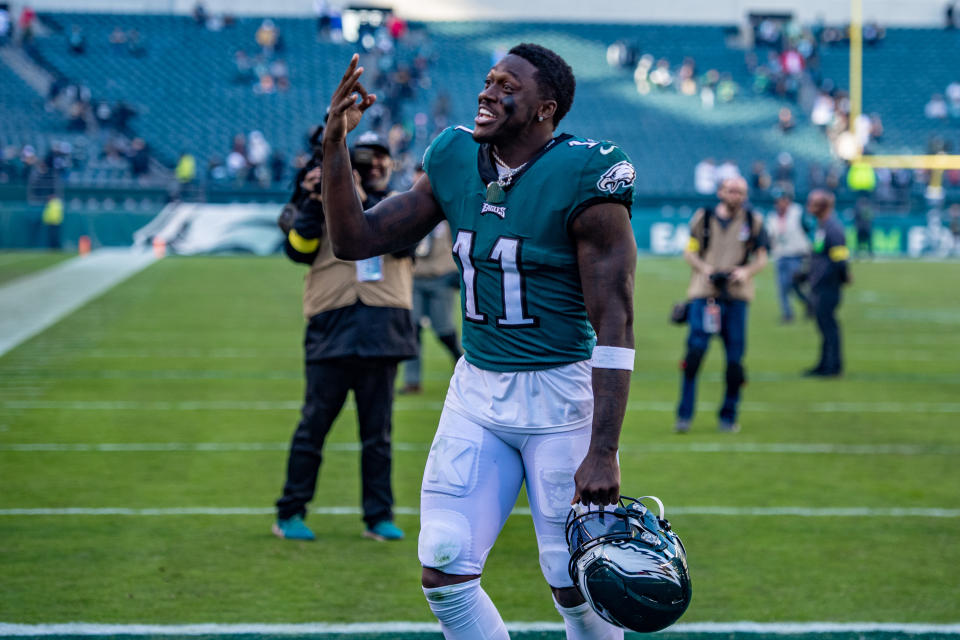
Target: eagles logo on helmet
[(628, 564)]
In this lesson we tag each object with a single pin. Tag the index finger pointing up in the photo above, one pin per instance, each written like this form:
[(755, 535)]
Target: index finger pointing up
[(350, 68)]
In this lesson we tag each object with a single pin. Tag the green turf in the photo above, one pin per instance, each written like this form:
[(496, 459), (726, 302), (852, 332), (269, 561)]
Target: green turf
[(16, 264), (168, 355)]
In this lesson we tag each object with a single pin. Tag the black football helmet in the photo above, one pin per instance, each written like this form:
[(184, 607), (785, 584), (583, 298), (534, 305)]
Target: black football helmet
[(628, 564)]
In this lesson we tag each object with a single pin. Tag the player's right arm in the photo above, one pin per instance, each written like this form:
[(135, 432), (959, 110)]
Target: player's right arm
[(393, 224)]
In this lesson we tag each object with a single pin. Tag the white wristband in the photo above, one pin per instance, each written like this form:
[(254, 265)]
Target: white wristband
[(612, 358)]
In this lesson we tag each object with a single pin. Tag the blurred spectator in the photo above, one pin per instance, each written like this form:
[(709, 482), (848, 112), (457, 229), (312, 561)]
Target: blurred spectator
[(876, 126), (792, 62), (236, 166), (767, 33), (118, 39), (705, 177), (784, 174), (280, 74), (726, 88), (823, 108), (267, 36), (727, 171), (77, 42), (863, 222), (135, 45), (396, 26), (760, 179), (244, 68), (186, 169), (258, 154), (950, 15), (52, 218), (785, 120), (321, 8), (200, 14), (641, 74), (686, 84), (216, 169), (661, 77), (139, 158), (4, 25), (873, 33), (790, 245), (953, 99), (265, 85), (25, 24), (936, 108)]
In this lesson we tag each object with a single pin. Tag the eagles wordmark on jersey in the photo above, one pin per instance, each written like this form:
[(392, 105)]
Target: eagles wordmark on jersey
[(523, 306)]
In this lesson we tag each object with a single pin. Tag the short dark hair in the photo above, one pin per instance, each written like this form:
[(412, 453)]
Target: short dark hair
[(555, 79)]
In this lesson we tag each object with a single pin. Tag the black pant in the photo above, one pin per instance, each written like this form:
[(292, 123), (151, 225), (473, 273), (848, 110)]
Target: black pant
[(825, 303), (328, 382)]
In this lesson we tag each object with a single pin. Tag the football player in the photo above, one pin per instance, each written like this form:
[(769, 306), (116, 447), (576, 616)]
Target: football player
[(546, 254)]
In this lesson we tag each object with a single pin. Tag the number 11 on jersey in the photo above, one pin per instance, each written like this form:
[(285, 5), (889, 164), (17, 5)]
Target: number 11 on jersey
[(506, 253)]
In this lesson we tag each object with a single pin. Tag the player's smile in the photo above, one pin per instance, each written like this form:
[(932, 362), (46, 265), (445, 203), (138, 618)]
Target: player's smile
[(484, 116)]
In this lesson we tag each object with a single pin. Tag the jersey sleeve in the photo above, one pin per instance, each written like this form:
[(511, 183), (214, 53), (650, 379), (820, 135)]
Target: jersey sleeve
[(607, 176)]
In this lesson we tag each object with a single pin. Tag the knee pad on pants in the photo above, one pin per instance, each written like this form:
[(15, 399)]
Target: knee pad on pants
[(736, 376), (444, 537), (691, 363)]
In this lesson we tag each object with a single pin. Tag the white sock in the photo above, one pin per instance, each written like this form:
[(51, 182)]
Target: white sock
[(466, 612), (583, 623)]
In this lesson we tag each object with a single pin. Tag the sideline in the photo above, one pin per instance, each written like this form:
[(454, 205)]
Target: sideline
[(39, 300)]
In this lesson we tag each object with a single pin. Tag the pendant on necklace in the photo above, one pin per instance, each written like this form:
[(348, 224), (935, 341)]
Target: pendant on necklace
[(495, 193)]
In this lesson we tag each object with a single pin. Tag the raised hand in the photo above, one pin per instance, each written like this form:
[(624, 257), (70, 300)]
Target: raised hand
[(345, 109)]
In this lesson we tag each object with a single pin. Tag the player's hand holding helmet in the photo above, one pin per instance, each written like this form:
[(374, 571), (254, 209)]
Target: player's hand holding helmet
[(628, 564)]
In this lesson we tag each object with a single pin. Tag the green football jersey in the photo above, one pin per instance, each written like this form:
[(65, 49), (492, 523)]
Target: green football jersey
[(521, 298)]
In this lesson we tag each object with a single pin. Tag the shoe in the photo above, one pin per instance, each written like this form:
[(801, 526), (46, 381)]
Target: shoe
[(293, 529), (728, 427), (384, 530), (682, 425), (812, 373), (410, 389)]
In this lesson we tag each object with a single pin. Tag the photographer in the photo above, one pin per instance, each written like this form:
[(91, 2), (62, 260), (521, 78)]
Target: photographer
[(727, 248), (358, 329)]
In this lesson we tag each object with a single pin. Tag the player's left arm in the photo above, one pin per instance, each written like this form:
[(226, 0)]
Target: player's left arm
[(607, 260)]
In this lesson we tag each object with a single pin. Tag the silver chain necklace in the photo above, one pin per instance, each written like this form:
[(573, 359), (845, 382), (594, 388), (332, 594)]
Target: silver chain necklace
[(496, 190)]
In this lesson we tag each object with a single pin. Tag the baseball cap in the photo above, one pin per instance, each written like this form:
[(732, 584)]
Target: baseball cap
[(372, 140)]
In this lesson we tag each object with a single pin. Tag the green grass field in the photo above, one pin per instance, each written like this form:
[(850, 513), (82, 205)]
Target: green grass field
[(199, 361), (16, 264)]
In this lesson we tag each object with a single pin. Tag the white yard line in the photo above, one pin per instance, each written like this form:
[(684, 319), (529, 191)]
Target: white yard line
[(800, 448), (801, 512), (314, 628), (39, 300)]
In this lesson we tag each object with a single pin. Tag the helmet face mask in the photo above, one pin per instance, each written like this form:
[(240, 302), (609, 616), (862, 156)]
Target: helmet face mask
[(628, 564)]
